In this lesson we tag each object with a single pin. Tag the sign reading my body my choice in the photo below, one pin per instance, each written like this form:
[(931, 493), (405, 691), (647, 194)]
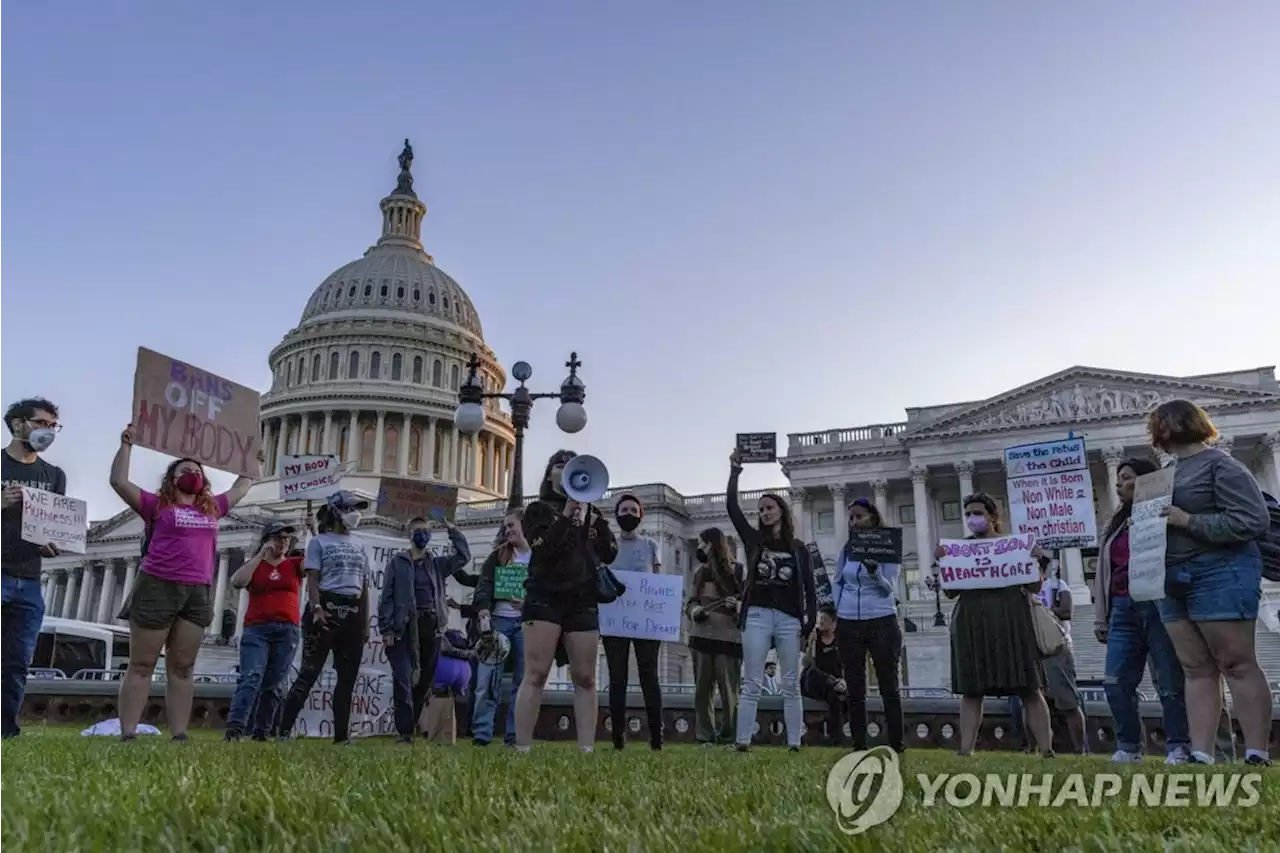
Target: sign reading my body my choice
[(306, 478), (1051, 493), (650, 609), (184, 411)]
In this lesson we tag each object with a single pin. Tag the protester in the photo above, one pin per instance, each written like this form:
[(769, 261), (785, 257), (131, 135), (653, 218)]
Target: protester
[(993, 642), (569, 541), (822, 677), (636, 553), (779, 605), (1134, 635), (1213, 577), (503, 616), (337, 617), (868, 625), (412, 613), (33, 425), (170, 605), (1060, 691), (715, 641), (270, 636)]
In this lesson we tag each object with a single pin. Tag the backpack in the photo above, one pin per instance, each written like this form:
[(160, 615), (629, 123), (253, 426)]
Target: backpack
[(1269, 542)]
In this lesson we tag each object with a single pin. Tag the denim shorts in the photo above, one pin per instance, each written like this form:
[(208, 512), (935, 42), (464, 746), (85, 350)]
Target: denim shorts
[(1226, 586)]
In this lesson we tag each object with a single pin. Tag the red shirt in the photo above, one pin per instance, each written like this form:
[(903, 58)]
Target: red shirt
[(273, 592), (1119, 554)]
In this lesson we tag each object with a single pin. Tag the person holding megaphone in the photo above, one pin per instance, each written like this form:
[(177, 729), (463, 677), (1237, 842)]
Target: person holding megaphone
[(569, 539)]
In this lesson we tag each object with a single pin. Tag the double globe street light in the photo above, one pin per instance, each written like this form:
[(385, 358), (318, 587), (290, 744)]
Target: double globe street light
[(571, 417)]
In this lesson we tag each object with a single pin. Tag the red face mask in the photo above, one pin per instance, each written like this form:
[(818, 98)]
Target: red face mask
[(191, 482)]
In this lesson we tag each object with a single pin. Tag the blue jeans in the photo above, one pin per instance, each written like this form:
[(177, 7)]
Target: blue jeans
[(1226, 586), (1134, 631), (266, 653), (488, 695), (23, 613), (763, 625)]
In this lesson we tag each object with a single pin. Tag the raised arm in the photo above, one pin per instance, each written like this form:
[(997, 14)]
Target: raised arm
[(1241, 514), (243, 576), (120, 484), (745, 531), (461, 556), (241, 486)]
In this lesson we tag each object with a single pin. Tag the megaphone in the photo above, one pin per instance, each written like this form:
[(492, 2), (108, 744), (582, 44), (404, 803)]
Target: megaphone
[(585, 479)]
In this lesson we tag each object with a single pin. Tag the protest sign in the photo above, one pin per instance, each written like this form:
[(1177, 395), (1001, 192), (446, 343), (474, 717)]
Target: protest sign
[(882, 544), (1051, 493), (307, 478), (650, 609), (508, 582), (48, 517), (757, 447), (403, 499), (821, 581), (183, 411), (988, 563), (1148, 539)]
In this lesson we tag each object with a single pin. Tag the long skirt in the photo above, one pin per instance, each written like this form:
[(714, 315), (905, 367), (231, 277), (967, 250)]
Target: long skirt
[(993, 644)]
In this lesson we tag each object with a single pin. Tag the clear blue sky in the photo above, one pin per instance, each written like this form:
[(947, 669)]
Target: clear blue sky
[(744, 216)]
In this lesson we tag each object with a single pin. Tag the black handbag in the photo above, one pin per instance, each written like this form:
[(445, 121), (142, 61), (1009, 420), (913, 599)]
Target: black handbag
[(608, 587)]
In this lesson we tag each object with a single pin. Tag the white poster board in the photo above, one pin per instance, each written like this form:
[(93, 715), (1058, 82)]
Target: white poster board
[(307, 478), (1148, 534), (988, 563), (1051, 493), (650, 609), (48, 517)]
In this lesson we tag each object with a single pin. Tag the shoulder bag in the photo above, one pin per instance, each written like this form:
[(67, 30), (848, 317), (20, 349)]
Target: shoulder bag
[(1050, 638)]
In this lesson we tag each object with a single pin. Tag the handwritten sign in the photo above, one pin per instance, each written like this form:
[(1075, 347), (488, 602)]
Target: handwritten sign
[(307, 478), (882, 544), (52, 518), (988, 563), (1148, 534), (650, 609), (1051, 493), (508, 582), (821, 581), (404, 499), (183, 411), (757, 447)]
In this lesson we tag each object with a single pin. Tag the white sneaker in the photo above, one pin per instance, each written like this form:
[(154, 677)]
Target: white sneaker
[(1178, 755), (1122, 757)]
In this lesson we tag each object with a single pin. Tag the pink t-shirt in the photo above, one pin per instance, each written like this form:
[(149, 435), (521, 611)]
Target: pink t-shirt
[(183, 540)]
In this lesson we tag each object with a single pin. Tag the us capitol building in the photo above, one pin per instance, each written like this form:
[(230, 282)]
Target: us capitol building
[(371, 372)]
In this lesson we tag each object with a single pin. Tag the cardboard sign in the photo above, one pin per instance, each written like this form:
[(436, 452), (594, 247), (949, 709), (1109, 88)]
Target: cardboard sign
[(308, 478), (650, 609), (52, 518), (757, 447), (508, 582), (1148, 534), (882, 544), (988, 563), (183, 411), (1051, 493), (403, 499), (821, 581)]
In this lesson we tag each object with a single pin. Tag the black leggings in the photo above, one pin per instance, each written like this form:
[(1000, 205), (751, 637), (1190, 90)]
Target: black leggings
[(617, 653), (343, 635), (882, 639)]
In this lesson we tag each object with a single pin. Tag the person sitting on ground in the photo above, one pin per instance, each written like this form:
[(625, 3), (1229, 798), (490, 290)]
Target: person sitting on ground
[(822, 676)]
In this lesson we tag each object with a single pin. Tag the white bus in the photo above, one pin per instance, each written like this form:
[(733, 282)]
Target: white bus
[(67, 646)]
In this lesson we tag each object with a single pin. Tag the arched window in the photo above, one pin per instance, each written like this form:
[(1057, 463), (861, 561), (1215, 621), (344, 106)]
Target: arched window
[(315, 368), (366, 447), (453, 376), (353, 365), (368, 291), (399, 293), (351, 294), (333, 365), (417, 369), (415, 450), (396, 361), (375, 365), (343, 435), (437, 374), (288, 373), (391, 450)]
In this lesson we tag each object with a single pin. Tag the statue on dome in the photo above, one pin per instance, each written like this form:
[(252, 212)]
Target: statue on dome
[(404, 183)]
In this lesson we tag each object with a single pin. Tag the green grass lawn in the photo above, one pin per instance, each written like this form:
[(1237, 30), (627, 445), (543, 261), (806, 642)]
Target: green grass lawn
[(65, 793)]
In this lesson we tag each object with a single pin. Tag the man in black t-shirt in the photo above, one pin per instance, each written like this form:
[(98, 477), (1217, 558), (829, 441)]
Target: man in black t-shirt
[(33, 425)]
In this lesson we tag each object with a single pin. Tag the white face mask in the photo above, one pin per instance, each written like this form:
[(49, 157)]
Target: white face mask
[(351, 520), (40, 438)]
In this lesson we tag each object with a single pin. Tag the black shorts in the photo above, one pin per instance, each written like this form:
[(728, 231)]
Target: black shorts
[(574, 612), (158, 603)]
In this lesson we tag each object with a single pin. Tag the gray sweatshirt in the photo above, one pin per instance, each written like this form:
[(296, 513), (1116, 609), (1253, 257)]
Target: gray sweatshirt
[(1224, 502)]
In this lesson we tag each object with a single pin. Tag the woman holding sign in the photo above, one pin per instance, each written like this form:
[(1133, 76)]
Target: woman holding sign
[(499, 596), (779, 605), (171, 603), (993, 642)]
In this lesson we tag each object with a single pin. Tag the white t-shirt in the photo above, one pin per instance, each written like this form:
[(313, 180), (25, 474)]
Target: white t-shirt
[(506, 609), (1048, 592)]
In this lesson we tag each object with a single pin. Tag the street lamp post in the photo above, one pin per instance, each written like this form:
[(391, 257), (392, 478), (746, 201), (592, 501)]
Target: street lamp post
[(935, 586), (570, 417)]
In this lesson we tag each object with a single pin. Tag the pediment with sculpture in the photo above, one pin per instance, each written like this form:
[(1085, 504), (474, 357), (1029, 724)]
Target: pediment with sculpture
[(1083, 395)]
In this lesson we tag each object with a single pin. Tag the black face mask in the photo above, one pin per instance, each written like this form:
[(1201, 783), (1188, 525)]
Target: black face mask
[(701, 554), (628, 523)]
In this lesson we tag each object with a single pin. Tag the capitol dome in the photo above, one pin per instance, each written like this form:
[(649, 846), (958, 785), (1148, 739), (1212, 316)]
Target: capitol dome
[(371, 372)]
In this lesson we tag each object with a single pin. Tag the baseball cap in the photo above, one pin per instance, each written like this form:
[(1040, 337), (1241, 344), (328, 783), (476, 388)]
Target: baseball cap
[(344, 500), (278, 528)]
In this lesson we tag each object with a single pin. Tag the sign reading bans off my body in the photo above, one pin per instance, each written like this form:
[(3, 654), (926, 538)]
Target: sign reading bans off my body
[(184, 411)]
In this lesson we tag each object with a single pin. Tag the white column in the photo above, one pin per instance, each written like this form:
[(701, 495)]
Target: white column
[(326, 437), (1112, 457), (86, 591), (924, 539), (220, 593), (1272, 441), (964, 468), (240, 612), (304, 436), (801, 514), (477, 460), (839, 513), (379, 441), (45, 584), (282, 431), (130, 574), (352, 450), (880, 487), (1073, 573), (69, 597), (402, 458), (427, 451), (107, 596), (451, 468)]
